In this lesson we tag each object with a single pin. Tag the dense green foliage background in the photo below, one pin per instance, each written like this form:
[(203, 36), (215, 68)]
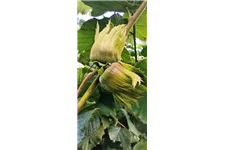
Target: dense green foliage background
[(103, 124)]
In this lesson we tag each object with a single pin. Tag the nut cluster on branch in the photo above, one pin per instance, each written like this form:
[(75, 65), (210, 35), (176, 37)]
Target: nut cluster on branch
[(119, 78)]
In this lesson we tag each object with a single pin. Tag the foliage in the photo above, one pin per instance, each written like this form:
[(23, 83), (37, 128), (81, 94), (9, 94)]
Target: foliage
[(100, 7), (104, 124), (82, 8)]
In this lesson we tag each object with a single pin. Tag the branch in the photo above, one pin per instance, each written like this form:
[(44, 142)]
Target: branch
[(136, 15), (88, 93), (88, 77)]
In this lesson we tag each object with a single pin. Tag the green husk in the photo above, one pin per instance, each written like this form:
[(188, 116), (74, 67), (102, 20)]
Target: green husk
[(109, 44), (125, 85)]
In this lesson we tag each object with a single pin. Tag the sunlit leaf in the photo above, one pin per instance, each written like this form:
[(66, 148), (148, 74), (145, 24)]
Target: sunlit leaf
[(142, 145), (126, 56), (82, 8), (141, 26)]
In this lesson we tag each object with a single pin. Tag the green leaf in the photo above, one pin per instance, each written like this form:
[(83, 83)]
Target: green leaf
[(95, 96), (107, 104), (141, 110), (86, 35), (132, 128), (82, 8), (132, 68), (105, 121), (134, 138), (132, 53), (107, 107), (121, 135), (110, 145), (117, 19), (142, 145), (141, 26), (141, 126), (126, 56), (142, 65), (130, 41), (83, 57), (126, 15), (106, 110), (82, 121), (144, 51), (93, 134), (100, 7), (79, 77), (108, 148)]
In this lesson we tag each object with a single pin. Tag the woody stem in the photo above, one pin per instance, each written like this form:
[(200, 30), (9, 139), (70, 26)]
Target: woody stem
[(137, 14)]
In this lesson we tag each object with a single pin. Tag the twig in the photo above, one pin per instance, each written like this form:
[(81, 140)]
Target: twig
[(135, 49), (88, 93), (121, 124), (88, 77)]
